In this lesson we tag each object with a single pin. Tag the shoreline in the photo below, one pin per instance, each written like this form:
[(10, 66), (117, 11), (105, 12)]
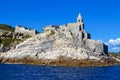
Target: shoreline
[(61, 62)]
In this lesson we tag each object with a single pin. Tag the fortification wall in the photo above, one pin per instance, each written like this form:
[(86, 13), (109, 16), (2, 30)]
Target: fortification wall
[(25, 31)]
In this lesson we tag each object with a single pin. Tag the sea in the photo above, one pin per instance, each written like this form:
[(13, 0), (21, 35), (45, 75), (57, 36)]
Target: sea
[(38, 72)]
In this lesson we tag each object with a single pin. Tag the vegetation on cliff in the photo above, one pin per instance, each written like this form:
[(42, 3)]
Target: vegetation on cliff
[(115, 54), (8, 38), (7, 27)]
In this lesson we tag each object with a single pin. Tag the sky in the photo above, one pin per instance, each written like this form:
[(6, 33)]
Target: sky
[(101, 17)]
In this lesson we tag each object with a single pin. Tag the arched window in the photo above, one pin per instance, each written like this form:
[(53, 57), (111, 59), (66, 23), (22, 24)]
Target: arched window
[(78, 20), (80, 28)]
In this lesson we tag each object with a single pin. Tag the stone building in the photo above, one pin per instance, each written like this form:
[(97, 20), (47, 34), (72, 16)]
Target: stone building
[(95, 46), (68, 42), (78, 31), (78, 28), (23, 30)]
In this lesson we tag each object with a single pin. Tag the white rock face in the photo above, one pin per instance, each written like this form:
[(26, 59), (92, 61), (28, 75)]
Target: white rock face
[(69, 41)]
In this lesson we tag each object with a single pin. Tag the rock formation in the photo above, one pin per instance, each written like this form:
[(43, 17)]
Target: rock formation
[(9, 38), (58, 43)]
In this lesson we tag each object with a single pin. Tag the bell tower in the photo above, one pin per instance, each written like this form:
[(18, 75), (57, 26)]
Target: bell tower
[(79, 18)]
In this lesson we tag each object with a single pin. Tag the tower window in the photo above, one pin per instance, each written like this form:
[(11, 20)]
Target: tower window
[(80, 28)]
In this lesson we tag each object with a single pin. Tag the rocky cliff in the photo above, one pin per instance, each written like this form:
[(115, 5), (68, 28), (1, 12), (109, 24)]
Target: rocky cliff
[(9, 38), (59, 45)]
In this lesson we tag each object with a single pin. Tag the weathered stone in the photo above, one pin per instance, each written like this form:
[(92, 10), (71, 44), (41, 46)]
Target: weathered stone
[(96, 47), (25, 31), (70, 41)]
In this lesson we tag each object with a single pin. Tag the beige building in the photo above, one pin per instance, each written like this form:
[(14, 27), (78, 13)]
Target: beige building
[(77, 31), (23, 30)]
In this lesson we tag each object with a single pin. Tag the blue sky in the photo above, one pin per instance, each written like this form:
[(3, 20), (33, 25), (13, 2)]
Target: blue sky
[(101, 17)]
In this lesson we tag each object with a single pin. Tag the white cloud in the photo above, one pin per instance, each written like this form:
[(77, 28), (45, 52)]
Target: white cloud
[(115, 48), (114, 43)]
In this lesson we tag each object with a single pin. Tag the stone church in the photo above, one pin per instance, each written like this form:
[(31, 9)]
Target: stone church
[(77, 30)]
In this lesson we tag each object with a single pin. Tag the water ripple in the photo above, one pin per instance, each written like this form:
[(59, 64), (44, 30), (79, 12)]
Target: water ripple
[(35, 72)]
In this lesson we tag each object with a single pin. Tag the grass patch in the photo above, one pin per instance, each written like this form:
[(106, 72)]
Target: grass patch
[(7, 27), (8, 41)]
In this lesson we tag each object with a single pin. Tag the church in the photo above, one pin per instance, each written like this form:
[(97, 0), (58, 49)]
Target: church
[(77, 31)]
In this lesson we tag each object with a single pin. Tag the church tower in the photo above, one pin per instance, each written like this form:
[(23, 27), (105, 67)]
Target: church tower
[(79, 18), (80, 22)]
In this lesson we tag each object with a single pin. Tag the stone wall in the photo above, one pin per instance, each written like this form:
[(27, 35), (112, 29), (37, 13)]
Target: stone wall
[(96, 47), (25, 31), (84, 39)]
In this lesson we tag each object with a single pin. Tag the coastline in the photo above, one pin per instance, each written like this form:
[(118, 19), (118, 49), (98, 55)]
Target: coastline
[(63, 45), (61, 62)]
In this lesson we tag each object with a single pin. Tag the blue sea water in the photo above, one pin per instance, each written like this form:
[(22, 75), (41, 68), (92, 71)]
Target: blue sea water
[(36, 72)]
